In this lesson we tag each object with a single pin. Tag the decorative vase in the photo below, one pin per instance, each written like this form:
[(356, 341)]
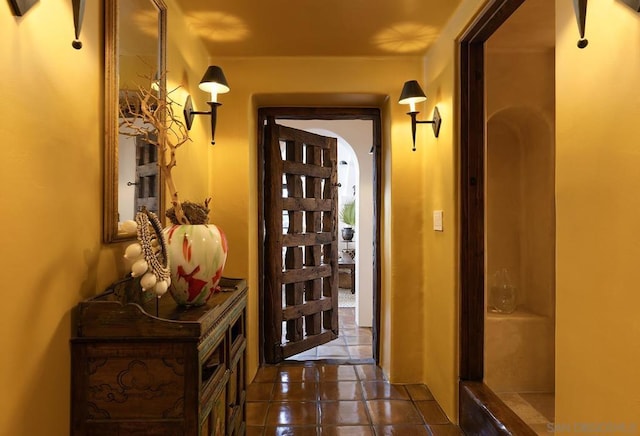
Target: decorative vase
[(502, 293), (197, 255), (347, 233)]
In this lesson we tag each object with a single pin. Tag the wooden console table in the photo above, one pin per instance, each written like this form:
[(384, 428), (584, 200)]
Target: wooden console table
[(153, 368)]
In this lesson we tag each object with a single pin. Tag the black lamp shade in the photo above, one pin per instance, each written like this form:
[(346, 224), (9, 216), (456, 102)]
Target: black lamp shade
[(412, 93), (214, 81)]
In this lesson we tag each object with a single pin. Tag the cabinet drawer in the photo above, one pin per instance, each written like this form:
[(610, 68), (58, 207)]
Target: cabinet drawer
[(213, 369)]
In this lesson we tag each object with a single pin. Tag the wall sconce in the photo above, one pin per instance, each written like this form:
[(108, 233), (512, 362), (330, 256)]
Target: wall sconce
[(411, 94), (214, 82), (580, 8), (20, 7), (78, 14)]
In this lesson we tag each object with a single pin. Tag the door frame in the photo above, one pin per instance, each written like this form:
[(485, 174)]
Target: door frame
[(480, 410), (323, 113)]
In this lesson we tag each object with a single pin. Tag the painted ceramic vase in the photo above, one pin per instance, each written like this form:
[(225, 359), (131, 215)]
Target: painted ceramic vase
[(197, 254)]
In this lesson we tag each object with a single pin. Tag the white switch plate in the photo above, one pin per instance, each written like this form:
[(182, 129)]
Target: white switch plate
[(437, 220)]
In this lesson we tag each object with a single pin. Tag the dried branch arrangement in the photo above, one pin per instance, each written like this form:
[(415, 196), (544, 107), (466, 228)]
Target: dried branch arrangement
[(148, 114)]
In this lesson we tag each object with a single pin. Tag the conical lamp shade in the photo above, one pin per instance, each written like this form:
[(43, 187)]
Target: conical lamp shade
[(214, 81), (412, 93)]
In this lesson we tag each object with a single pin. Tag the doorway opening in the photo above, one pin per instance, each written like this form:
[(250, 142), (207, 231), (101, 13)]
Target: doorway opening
[(507, 276), (358, 165)]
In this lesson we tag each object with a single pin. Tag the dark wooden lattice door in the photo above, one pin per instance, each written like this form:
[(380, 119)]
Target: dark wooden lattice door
[(146, 175), (301, 274)]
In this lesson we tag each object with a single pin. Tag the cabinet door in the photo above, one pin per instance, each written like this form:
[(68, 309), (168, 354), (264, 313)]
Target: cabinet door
[(236, 384), (219, 416), (215, 424), (236, 398)]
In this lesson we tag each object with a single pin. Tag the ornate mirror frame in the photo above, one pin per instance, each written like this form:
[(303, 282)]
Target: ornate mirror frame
[(112, 73)]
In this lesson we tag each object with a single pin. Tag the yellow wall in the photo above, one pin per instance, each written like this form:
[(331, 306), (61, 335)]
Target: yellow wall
[(257, 82), (598, 209), (51, 190), (50, 186), (440, 304)]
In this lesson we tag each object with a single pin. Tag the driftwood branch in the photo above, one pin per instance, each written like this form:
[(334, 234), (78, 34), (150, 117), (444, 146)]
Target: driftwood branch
[(148, 114)]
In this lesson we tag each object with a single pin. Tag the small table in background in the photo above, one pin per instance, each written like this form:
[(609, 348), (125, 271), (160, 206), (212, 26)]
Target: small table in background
[(351, 266)]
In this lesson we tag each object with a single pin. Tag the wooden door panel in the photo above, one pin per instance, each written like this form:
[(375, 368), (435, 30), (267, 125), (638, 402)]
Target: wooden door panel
[(147, 178), (301, 304)]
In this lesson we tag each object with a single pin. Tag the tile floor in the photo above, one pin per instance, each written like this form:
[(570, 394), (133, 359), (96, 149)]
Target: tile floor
[(353, 343), (317, 398), (337, 389)]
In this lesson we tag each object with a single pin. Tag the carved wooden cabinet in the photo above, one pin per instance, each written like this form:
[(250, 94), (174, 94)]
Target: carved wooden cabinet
[(153, 368)]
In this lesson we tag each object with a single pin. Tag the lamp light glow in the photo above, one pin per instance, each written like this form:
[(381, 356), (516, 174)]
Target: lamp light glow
[(214, 82)]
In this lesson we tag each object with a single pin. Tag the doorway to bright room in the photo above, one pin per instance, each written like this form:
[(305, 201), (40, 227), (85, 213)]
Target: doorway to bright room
[(358, 160)]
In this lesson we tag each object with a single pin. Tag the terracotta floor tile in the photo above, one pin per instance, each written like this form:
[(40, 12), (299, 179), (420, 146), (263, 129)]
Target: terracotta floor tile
[(339, 341), (360, 351), (431, 412), (297, 373), (343, 390), (419, 392), (266, 374), (351, 430), (369, 372), (291, 431), (343, 413), (336, 373), (378, 390), (298, 391), (402, 430), (305, 397), (326, 351), (384, 412), (445, 430), (259, 391), (350, 331), (256, 413), (358, 340), (289, 413)]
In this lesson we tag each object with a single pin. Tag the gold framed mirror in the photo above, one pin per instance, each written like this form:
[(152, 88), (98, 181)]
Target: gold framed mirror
[(135, 56)]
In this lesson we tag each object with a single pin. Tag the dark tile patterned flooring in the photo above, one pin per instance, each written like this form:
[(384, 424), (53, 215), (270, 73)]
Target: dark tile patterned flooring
[(340, 395)]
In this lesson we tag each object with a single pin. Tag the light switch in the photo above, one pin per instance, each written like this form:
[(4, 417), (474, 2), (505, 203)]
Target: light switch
[(437, 220)]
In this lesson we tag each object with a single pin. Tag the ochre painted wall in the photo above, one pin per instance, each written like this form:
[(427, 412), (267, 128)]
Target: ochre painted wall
[(597, 206), (51, 191), (598, 211), (51, 188), (51, 124), (440, 305), (257, 82)]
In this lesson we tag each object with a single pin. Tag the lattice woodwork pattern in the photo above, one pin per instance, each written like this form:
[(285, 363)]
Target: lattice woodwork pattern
[(301, 240)]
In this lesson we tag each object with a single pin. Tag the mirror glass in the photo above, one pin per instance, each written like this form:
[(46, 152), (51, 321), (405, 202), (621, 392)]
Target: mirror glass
[(135, 41)]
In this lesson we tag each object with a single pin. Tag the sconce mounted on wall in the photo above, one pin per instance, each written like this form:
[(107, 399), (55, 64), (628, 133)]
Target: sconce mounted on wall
[(78, 13), (214, 82), (411, 94), (580, 8), (20, 7)]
